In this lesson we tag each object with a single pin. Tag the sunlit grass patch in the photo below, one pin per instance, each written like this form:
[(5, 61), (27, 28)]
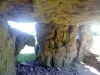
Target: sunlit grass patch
[(26, 57)]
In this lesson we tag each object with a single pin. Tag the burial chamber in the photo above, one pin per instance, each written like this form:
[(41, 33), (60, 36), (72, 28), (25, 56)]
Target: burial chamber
[(59, 22)]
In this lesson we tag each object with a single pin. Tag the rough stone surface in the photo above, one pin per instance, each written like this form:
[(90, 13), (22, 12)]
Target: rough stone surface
[(10, 9), (22, 39), (7, 58), (34, 69), (93, 60), (85, 41), (55, 34), (70, 12), (9, 47), (57, 44)]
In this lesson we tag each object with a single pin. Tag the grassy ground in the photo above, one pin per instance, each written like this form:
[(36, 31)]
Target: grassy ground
[(25, 57), (26, 54)]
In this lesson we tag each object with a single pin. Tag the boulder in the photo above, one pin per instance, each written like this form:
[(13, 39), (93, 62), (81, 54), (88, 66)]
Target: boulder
[(11, 43), (60, 49)]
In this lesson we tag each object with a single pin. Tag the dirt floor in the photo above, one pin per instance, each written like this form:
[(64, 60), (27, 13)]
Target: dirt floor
[(32, 68), (86, 70)]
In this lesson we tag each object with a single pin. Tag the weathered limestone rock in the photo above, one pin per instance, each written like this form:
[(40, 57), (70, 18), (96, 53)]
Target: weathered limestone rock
[(11, 41), (7, 45), (57, 44), (93, 60), (71, 47), (57, 41), (22, 39), (9, 9), (85, 41), (7, 59), (70, 12)]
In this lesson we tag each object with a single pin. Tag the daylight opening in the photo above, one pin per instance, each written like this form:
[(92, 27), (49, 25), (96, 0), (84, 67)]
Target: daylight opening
[(28, 53), (96, 37), (25, 27)]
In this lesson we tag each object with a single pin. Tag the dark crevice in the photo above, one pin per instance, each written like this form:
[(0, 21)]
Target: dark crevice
[(55, 34), (16, 45), (70, 29), (52, 62), (63, 63)]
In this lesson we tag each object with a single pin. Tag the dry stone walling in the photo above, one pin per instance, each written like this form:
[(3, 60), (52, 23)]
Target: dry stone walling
[(57, 44), (11, 42)]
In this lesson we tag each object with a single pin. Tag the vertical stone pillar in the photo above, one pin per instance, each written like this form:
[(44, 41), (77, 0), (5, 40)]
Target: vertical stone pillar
[(72, 47), (86, 40), (57, 44), (7, 47), (11, 43)]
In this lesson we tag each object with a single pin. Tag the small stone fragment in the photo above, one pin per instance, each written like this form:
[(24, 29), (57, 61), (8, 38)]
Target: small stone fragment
[(46, 73), (31, 69), (58, 69), (24, 63)]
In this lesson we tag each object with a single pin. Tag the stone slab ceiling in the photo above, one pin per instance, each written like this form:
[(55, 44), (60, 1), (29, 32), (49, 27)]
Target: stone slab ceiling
[(71, 12)]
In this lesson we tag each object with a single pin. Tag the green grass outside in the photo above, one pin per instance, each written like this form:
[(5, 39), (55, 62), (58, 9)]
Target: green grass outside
[(25, 57)]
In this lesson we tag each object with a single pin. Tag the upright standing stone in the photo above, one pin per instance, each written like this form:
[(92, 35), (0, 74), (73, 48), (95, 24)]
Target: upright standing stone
[(57, 44), (11, 43), (86, 40), (7, 47)]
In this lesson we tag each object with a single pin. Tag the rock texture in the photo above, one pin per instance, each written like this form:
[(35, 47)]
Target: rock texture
[(11, 42), (56, 31), (85, 41), (70, 12), (9, 9), (93, 60), (7, 59), (22, 39), (57, 44), (32, 68)]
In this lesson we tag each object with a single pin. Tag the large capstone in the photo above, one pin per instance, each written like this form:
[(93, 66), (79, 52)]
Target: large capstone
[(70, 12)]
